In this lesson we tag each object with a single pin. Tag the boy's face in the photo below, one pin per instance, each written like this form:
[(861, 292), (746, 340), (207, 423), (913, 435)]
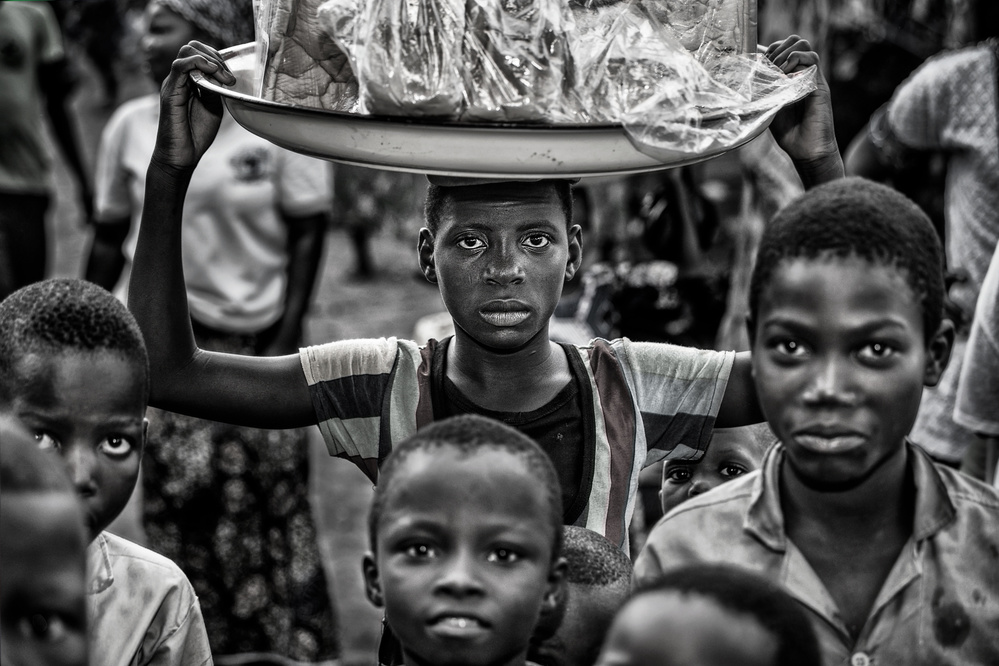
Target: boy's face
[(672, 629), (840, 360), (500, 256), (42, 595), (90, 408), (731, 453), (589, 612), (464, 558), (164, 33)]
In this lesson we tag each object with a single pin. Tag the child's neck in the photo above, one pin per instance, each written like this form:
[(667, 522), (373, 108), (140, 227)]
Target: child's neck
[(520, 380)]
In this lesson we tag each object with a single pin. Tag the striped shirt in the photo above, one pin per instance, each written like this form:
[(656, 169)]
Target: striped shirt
[(649, 401)]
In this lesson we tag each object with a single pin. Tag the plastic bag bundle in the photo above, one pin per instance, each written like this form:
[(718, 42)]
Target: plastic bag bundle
[(298, 63), (411, 58), (517, 63)]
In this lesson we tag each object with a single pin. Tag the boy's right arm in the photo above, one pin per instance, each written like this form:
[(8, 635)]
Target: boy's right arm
[(267, 392)]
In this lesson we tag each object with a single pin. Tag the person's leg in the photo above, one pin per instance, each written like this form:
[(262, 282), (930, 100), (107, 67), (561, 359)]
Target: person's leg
[(23, 252)]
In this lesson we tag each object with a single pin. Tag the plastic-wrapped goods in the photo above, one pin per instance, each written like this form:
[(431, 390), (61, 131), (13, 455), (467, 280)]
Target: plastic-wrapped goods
[(298, 62), (709, 27), (517, 63), (412, 58)]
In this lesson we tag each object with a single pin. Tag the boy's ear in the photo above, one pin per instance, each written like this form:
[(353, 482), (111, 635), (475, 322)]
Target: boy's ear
[(575, 251), (425, 247), (938, 352), (372, 582), (557, 590), (751, 329), (145, 435)]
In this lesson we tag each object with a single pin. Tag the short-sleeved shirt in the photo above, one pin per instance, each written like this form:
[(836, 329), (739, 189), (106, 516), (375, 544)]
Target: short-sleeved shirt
[(29, 37), (141, 609), (235, 239), (642, 403), (939, 605), (978, 392)]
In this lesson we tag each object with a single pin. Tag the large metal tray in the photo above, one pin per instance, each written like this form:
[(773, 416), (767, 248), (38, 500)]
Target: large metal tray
[(441, 148)]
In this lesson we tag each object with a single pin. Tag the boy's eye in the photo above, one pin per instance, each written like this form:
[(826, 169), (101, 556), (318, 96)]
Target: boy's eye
[(537, 241), (732, 471), (471, 243), (790, 348), (420, 551), (46, 627), (46, 442), (678, 474), (876, 351), (503, 555), (116, 447)]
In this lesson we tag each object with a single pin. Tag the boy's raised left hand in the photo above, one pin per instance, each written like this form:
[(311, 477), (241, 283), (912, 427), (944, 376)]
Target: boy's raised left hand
[(189, 117), (805, 130)]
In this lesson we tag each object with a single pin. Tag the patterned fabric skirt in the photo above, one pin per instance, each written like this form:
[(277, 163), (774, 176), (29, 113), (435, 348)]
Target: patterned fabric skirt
[(230, 506)]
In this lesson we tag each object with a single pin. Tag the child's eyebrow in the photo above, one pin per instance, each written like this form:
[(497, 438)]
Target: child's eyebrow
[(866, 327)]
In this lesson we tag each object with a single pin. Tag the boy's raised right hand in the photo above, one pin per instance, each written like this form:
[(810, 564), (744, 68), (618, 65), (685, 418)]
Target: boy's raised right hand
[(189, 117)]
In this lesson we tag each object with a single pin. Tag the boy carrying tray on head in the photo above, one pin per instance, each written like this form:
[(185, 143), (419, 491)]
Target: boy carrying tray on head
[(500, 253)]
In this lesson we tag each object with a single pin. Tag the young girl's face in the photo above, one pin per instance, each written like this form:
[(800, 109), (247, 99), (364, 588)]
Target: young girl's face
[(90, 408), (464, 558), (165, 32)]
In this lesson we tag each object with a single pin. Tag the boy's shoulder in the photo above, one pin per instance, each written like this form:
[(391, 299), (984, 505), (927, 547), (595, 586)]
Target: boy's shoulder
[(968, 493), (120, 561)]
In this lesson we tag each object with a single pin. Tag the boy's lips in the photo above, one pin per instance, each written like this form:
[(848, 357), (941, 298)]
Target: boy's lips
[(827, 440), (505, 312), (457, 625)]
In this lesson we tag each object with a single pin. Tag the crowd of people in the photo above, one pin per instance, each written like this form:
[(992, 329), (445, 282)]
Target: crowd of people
[(821, 504)]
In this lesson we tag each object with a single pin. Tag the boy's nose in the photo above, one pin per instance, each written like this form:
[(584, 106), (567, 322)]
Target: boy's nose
[(460, 576), (504, 269), (830, 385), (697, 487), (80, 462)]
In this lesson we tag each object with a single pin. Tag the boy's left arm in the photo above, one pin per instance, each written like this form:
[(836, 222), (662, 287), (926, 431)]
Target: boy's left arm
[(740, 407), (805, 130)]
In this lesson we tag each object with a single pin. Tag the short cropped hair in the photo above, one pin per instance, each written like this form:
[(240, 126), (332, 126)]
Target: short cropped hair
[(467, 435), (593, 560), (59, 315), (742, 591), (854, 217), (439, 195), (24, 468)]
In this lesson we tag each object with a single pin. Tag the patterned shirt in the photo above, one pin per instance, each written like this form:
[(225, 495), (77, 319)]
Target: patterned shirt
[(939, 605), (141, 609), (648, 401)]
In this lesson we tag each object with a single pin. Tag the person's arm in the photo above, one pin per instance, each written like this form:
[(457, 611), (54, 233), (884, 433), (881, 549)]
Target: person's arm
[(804, 130), (305, 252), (267, 392), (740, 406), (106, 259)]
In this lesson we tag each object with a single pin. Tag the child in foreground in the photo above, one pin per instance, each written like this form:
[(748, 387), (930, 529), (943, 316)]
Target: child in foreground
[(893, 556), (500, 253), (710, 615), (731, 453), (43, 618), (73, 372), (465, 531), (598, 580)]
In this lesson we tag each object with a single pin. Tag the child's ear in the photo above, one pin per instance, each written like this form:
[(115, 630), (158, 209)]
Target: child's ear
[(425, 247), (575, 251), (938, 352), (557, 589), (751, 329), (372, 581), (145, 435)]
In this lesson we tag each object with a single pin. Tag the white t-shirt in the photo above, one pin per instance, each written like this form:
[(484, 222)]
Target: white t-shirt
[(234, 237)]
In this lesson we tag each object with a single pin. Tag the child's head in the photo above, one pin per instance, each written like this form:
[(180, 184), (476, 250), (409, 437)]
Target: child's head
[(42, 589), (74, 373), (598, 577), (731, 453), (465, 530), (500, 252), (846, 307), (710, 615)]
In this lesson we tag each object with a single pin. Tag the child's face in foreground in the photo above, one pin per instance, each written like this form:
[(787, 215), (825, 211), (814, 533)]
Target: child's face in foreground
[(669, 628), (840, 360), (42, 595), (501, 257), (90, 408), (731, 453), (464, 557)]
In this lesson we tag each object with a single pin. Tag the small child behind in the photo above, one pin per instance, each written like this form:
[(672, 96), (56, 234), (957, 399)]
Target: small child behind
[(74, 373), (43, 618), (710, 615), (466, 532), (731, 453), (598, 580)]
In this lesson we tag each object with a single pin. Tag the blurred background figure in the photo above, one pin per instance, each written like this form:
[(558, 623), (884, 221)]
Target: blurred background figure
[(35, 85), (254, 225)]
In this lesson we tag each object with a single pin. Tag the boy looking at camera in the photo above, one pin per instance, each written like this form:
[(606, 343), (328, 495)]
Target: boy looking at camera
[(73, 373), (893, 556)]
